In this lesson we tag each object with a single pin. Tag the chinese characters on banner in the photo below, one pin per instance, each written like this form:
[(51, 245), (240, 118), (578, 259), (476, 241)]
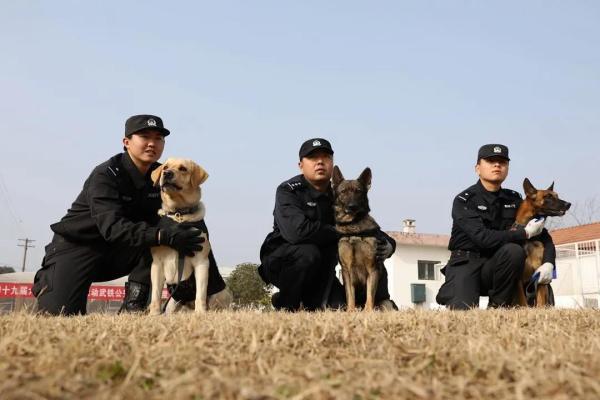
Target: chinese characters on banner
[(97, 292)]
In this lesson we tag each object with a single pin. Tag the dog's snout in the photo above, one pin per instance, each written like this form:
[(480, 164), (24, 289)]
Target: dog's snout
[(567, 205), (168, 174), (353, 207)]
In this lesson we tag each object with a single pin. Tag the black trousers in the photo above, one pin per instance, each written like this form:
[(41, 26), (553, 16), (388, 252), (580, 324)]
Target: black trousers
[(496, 277), (302, 273), (68, 270)]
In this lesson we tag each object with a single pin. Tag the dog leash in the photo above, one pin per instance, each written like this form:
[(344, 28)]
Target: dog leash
[(327, 291), (180, 265), (531, 288)]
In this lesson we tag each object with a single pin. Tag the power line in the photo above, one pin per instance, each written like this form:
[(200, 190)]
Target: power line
[(26, 245), (5, 196)]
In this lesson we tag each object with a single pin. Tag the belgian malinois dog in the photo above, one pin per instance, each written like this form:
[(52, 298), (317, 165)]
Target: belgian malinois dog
[(537, 203), (357, 245)]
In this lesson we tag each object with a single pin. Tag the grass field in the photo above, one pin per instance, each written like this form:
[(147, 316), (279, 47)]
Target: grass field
[(516, 354)]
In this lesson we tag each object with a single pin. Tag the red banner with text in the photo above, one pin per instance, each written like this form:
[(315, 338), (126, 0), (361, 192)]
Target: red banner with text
[(97, 292)]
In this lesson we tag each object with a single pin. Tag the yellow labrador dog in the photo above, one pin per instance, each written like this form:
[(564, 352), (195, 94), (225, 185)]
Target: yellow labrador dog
[(180, 181)]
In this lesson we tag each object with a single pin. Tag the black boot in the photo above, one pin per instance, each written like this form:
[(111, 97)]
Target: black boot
[(276, 301), (136, 297)]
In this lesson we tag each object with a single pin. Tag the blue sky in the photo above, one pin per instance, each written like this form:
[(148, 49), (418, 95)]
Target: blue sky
[(411, 89)]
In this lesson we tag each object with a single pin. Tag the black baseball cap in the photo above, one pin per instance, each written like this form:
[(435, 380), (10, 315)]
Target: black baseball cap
[(313, 145), (493, 150), (138, 123)]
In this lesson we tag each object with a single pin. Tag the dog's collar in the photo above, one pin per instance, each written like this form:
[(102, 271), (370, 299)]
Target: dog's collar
[(356, 218), (369, 233), (183, 211), (515, 225)]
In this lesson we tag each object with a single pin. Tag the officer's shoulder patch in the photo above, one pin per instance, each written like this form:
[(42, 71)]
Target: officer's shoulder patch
[(464, 196), (113, 170), (293, 184)]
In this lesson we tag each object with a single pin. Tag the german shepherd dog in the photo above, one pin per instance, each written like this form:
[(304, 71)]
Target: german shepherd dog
[(357, 245), (537, 203)]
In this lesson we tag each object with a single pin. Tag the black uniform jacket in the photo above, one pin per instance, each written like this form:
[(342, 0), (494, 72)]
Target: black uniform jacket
[(117, 205), (482, 221), (303, 215)]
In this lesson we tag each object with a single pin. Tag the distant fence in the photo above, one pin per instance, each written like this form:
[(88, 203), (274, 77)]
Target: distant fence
[(578, 266)]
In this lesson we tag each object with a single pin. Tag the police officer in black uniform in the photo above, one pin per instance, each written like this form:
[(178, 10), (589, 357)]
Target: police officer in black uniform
[(109, 229), (487, 257), (300, 255)]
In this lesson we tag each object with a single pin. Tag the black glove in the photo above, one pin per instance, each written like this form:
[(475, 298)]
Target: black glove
[(184, 239), (384, 250)]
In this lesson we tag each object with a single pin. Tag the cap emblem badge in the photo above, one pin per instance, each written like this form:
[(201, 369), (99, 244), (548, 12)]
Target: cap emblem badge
[(316, 143), (151, 122), (482, 208), (497, 149)]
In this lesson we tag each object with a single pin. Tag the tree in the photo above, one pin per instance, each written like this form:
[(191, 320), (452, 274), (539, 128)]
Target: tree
[(247, 287), (6, 270)]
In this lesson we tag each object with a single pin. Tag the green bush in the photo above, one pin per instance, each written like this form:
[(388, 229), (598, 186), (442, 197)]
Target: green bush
[(248, 288)]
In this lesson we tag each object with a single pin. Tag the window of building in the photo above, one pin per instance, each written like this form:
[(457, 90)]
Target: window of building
[(428, 270)]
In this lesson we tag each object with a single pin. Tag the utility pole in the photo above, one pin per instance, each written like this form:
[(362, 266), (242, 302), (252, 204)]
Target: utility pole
[(26, 244)]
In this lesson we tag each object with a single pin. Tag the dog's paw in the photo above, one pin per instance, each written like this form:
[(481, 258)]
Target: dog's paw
[(154, 310), (200, 306)]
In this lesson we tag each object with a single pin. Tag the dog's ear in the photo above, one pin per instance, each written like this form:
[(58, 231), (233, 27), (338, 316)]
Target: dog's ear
[(365, 178), (551, 188), (337, 177), (530, 190), (155, 176), (199, 175)]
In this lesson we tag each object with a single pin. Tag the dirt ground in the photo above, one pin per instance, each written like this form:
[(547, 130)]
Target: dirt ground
[(479, 354)]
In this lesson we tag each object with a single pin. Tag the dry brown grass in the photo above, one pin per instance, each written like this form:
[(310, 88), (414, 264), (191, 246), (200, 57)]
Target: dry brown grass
[(522, 354)]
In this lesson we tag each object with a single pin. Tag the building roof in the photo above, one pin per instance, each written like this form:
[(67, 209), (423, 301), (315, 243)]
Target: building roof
[(420, 239), (574, 234)]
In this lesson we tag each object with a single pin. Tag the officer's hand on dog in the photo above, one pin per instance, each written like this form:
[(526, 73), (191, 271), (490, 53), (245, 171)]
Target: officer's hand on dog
[(534, 227), (186, 240), (546, 271), (384, 250)]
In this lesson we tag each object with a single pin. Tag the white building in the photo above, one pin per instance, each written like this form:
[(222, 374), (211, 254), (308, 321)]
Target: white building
[(577, 266), (414, 269)]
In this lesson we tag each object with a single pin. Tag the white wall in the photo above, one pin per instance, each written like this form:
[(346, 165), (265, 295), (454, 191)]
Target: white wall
[(403, 270), (577, 282)]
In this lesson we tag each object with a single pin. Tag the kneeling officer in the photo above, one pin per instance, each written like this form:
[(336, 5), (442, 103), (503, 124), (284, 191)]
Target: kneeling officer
[(300, 255)]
